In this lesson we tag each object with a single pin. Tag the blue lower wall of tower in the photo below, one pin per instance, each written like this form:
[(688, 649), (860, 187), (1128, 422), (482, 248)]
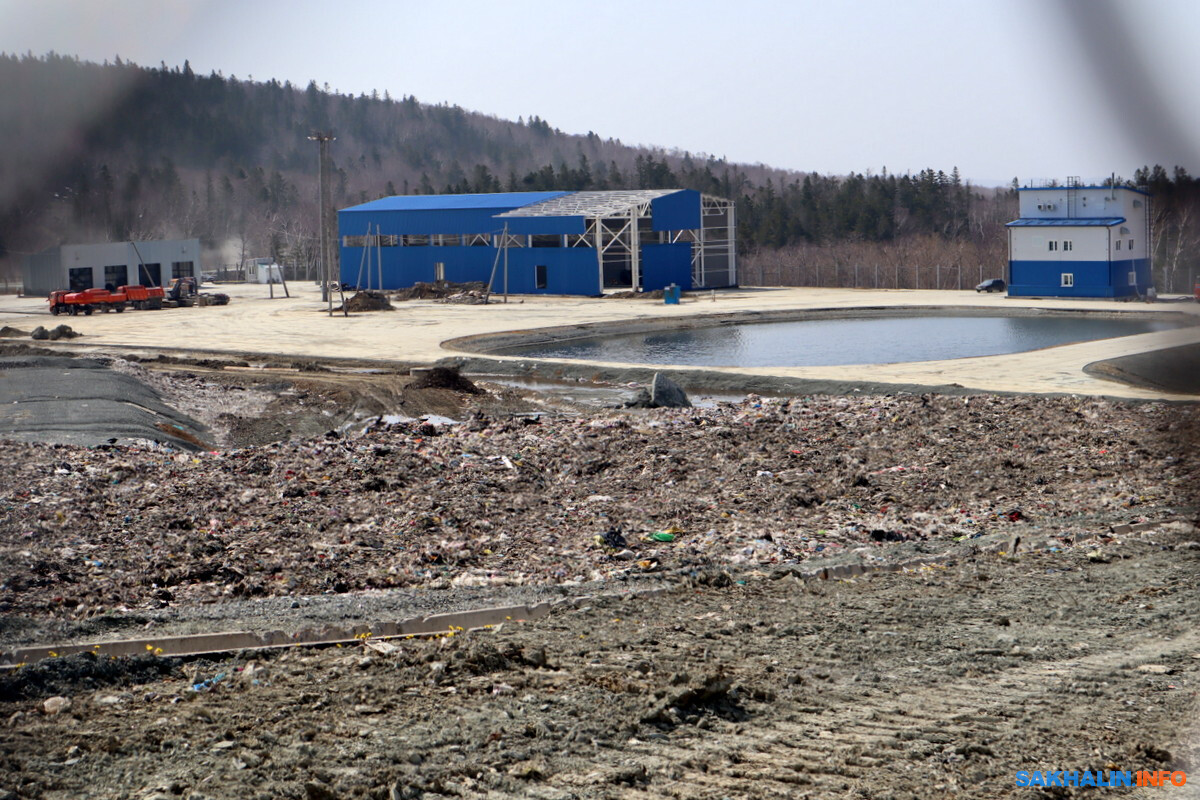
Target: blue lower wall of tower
[(1091, 278)]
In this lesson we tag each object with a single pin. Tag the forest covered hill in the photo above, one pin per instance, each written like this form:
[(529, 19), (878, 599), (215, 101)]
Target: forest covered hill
[(117, 151)]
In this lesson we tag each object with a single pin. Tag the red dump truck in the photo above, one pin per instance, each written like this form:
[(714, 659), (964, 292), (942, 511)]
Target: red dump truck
[(144, 297), (91, 300), (86, 302)]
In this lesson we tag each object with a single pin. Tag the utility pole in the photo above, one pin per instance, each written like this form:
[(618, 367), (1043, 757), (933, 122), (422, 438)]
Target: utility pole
[(323, 138)]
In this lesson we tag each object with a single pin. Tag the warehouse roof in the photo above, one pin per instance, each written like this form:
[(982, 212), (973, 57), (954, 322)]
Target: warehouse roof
[(588, 204), (1065, 222), (441, 202)]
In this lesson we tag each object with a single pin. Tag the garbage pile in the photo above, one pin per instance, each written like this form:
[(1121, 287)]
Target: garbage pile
[(368, 300), (491, 501), (441, 290)]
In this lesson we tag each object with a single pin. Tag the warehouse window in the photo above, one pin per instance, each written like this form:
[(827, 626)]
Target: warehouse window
[(447, 239), (80, 278), (439, 270), (547, 240), (1053, 245), (381, 240), (415, 240), (1131, 244), (1068, 279), (150, 274), (539, 276), (1118, 244), (477, 240), (1068, 245), (115, 275), (183, 269)]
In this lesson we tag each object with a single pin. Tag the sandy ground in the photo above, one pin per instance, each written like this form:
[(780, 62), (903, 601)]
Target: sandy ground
[(414, 333)]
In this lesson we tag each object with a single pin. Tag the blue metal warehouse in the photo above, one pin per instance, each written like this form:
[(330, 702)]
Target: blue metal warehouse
[(1080, 241), (542, 242)]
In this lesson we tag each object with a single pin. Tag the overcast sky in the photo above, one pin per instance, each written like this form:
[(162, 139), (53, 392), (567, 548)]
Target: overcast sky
[(999, 88)]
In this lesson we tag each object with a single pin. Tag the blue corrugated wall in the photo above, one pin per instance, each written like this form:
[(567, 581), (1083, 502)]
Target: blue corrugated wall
[(664, 264), (1092, 278), (568, 270), (677, 211)]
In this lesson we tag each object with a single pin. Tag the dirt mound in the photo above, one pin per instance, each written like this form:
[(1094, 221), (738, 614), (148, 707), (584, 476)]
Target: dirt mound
[(9, 332), (439, 290), (752, 484), (368, 300), (444, 378), (54, 334)]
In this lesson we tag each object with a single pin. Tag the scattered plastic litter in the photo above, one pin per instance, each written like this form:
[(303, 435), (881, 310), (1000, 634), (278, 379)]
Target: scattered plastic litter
[(498, 501), (206, 685)]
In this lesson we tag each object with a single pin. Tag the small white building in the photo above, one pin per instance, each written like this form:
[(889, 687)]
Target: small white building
[(263, 270), (1080, 241), (76, 267)]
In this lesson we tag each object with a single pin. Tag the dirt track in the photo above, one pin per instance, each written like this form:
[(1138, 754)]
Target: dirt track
[(940, 682), (740, 681)]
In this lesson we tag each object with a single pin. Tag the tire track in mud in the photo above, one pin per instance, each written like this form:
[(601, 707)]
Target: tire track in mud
[(820, 751), (1069, 696), (867, 736), (936, 682)]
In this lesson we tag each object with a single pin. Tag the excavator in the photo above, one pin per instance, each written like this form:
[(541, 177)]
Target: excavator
[(182, 292)]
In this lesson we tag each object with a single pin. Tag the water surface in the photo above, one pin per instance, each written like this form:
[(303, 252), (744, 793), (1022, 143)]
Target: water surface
[(830, 342)]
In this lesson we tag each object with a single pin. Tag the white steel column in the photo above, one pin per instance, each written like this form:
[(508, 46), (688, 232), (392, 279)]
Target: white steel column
[(635, 219), (599, 224), (731, 233)]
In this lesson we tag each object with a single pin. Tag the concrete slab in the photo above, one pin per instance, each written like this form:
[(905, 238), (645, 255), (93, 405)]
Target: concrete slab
[(415, 332)]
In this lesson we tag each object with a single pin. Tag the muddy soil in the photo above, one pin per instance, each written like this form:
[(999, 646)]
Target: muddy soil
[(939, 682), (1079, 651), (496, 501)]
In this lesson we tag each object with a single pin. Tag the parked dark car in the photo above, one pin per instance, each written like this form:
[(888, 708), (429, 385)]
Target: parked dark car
[(992, 285)]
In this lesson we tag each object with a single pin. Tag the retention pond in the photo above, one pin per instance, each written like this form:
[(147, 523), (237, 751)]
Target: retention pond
[(842, 339)]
